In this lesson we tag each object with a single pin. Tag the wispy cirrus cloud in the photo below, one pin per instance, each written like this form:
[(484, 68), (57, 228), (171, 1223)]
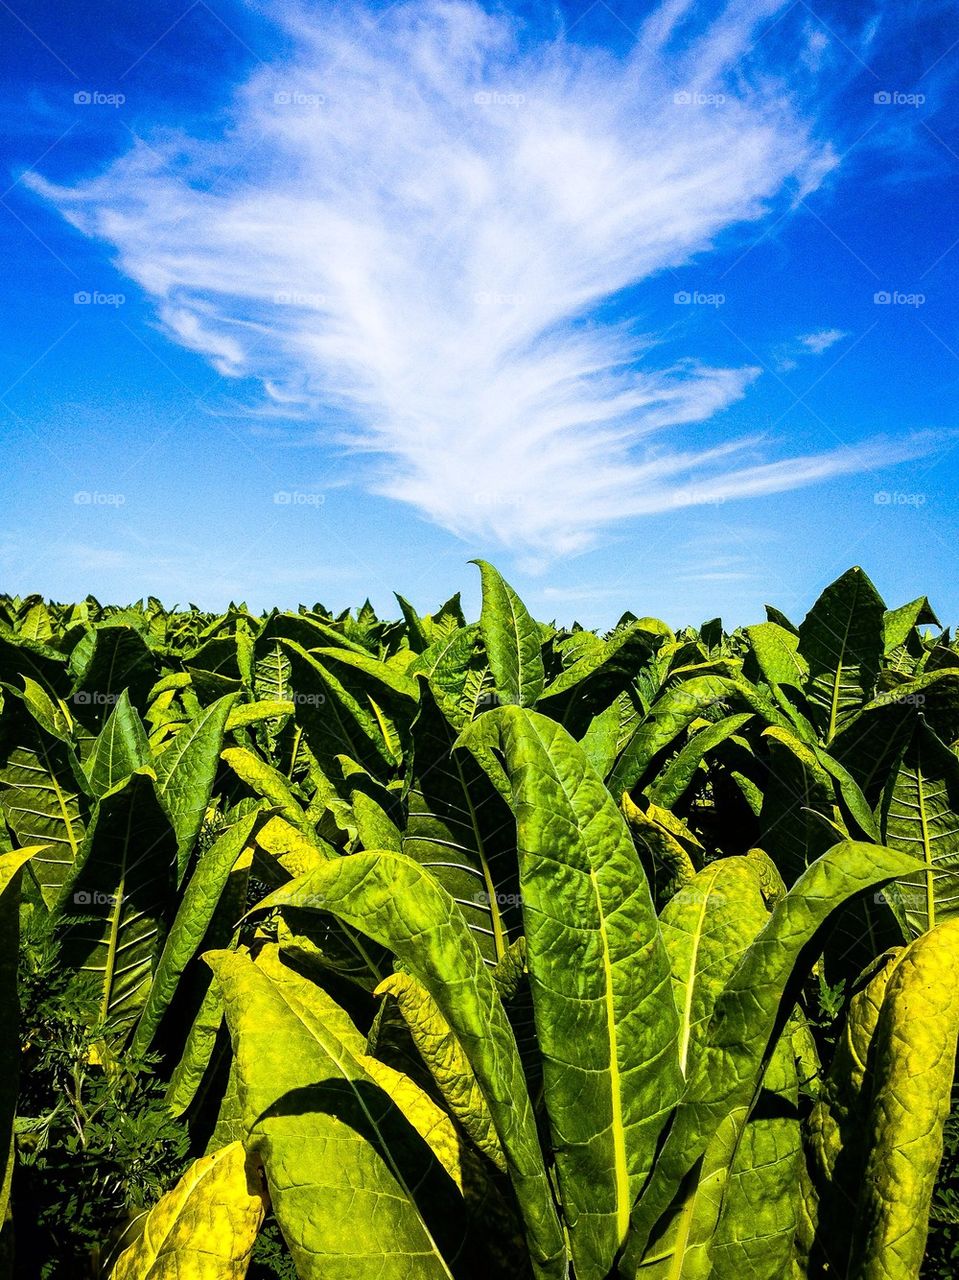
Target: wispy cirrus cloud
[(411, 230)]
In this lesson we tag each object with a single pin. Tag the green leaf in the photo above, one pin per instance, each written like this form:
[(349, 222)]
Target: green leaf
[(836, 1127), (706, 928), (185, 771), (512, 640), (11, 864), (460, 829), (841, 638), (205, 1227), (672, 712), (745, 1015), (914, 1055), (119, 749), (671, 784), (760, 1204), (351, 704), (600, 978), (43, 798), (920, 816), (458, 673), (266, 781), (446, 1061), (667, 863), (315, 1006), (121, 889), (194, 913), (798, 795), (776, 652), (396, 902), (337, 1156), (241, 717), (898, 623)]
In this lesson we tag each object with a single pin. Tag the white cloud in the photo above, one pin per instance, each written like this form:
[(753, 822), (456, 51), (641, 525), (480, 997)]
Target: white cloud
[(822, 340), (408, 228)]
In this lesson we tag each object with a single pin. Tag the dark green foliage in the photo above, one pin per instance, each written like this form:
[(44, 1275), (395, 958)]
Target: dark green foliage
[(96, 1145)]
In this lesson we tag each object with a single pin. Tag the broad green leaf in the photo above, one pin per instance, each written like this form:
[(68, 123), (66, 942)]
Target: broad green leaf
[(869, 746), (185, 772), (512, 640), (667, 863), (671, 784), (111, 658), (245, 714), (205, 1228), (920, 816), (914, 1057), (836, 1127), (36, 624), (291, 852), (194, 913), (120, 892), (458, 673), (119, 749), (760, 1205), (776, 652), (337, 1155), (798, 795), (738, 1040), (600, 673), (600, 978), (706, 929), (52, 716), (20, 657), (446, 1061), (267, 782), (461, 830), (314, 1006), (898, 623), (197, 1052), (10, 867), (841, 638), (400, 905), (350, 704), (672, 712), (43, 798)]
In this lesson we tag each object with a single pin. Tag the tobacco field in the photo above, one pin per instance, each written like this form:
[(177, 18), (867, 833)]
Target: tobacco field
[(342, 948)]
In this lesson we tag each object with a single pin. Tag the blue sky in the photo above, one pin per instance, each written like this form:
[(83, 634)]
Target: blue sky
[(590, 291)]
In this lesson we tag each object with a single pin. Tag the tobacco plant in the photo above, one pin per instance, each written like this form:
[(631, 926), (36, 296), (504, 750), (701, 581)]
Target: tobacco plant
[(497, 949)]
